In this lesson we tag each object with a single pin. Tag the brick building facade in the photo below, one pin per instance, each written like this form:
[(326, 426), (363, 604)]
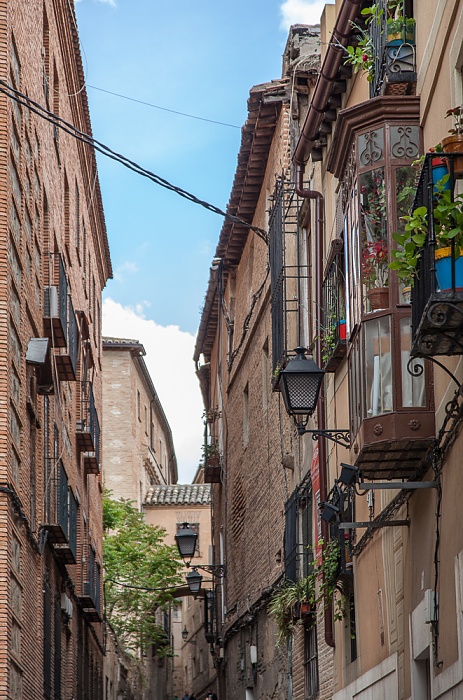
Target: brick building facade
[(329, 178), (55, 261), (265, 475), (137, 439)]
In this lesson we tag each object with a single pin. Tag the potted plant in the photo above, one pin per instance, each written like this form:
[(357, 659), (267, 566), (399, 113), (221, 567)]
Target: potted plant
[(375, 273), (399, 28), (448, 229), (294, 601), (454, 142)]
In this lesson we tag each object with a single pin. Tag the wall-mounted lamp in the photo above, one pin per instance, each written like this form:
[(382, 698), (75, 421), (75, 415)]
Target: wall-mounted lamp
[(300, 383), (185, 634), (186, 540), (349, 474), (328, 512)]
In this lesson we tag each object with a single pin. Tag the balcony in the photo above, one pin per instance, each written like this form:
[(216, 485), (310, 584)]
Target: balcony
[(90, 598), (288, 273), (393, 40), (66, 362), (88, 430), (437, 309), (60, 513), (333, 331), (55, 305), (60, 323)]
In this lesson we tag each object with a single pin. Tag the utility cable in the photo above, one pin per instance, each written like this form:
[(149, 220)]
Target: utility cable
[(164, 109), (68, 128)]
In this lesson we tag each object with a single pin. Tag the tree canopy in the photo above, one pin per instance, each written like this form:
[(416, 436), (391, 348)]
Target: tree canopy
[(141, 573)]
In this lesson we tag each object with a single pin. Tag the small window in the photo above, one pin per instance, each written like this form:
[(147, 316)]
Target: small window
[(138, 405), (310, 662), (246, 415)]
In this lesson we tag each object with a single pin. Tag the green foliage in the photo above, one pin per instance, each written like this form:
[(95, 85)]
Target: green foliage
[(448, 227), (318, 587), (135, 555), (457, 116)]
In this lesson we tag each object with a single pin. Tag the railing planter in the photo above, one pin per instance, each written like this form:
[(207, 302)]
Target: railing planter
[(443, 258)]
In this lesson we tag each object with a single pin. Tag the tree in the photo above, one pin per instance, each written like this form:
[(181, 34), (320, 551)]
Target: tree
[(141, 572)]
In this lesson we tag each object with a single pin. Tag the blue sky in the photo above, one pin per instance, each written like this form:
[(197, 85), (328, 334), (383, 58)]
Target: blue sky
[(199, 58)]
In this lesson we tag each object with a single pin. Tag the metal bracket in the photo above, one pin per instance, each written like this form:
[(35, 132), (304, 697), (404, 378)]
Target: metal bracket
[(341, 437), (374, 523), (398, 485)]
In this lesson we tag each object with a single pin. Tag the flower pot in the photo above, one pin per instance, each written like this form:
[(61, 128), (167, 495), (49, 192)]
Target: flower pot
[(213, 461), (443, 258), (342, 330), (406, 294), (454, 144), (439, 170), (212, 474), (378, 298), (399, 32)]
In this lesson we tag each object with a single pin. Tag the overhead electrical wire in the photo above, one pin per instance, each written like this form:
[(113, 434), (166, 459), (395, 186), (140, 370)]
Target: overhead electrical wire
[(164, 109), (69, 128)]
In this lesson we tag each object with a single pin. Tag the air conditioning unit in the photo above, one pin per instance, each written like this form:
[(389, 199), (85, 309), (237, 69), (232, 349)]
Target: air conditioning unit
[(66, 605), (50, 302)]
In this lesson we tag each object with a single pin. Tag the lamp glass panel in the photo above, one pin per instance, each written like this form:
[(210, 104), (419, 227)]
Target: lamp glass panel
[(186, 541), (302, 392), (194, 581)]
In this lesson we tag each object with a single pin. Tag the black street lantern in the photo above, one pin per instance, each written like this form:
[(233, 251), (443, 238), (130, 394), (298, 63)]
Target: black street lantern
[(194, 580), (185, 634), (186, 540), (300, 383)]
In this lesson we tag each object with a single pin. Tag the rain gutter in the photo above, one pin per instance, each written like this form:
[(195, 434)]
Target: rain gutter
[(318, 105)]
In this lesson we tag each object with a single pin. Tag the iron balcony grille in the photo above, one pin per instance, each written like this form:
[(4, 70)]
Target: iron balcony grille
[(437, 315), (60, 512), (394, 58), (88, 428), (288, 272)]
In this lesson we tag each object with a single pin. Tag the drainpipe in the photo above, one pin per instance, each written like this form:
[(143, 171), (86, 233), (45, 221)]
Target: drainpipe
[(334, 56)]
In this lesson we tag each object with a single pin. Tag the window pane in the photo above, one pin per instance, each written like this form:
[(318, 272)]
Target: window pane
[(413, 387), (378, 366), (374, 253), (405, 191)]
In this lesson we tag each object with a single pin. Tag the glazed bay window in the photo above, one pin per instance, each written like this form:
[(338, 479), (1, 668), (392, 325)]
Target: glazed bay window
[(390, 410)]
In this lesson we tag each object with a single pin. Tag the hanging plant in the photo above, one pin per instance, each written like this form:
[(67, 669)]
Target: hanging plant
[(319, 587)]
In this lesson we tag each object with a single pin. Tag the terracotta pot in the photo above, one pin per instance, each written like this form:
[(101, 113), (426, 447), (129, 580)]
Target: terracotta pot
[(378, 298), (454, 144)]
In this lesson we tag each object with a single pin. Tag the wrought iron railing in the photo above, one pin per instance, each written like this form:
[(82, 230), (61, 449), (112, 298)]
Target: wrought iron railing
[(88, 428), (333, 321), (393, 43), (425, 282), (288, 272)]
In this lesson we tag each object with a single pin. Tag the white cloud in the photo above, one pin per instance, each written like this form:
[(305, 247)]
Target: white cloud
[(169, 353), (108, 2), (127, 267), (301, 12)]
